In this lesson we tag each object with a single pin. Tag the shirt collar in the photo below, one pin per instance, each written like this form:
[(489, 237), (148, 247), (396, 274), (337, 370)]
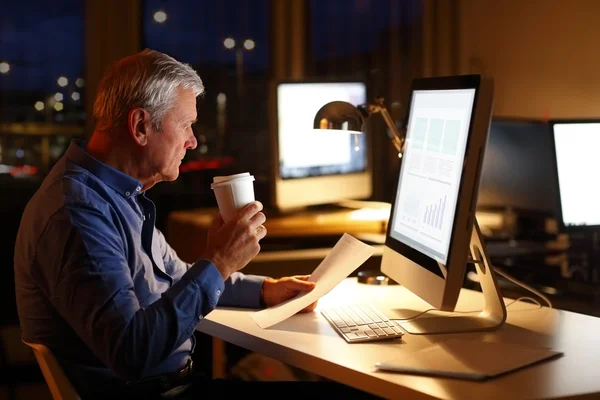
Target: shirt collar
[(124, 184)]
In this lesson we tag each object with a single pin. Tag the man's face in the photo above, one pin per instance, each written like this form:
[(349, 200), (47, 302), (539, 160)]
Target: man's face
[(166, 149)]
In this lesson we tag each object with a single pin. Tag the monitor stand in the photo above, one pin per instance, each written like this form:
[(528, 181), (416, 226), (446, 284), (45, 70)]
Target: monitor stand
[(490, 318)]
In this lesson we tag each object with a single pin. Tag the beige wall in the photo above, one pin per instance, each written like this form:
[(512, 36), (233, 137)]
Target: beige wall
[(543, 54)]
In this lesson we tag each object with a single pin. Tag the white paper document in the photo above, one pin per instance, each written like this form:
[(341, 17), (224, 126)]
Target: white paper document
[(348, 254)]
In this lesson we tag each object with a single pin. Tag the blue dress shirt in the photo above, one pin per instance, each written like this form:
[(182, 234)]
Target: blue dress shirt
[(98, 284)]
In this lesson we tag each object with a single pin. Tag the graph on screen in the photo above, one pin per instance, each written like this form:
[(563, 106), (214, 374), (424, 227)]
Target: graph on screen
[(434, 208), (434, 214)]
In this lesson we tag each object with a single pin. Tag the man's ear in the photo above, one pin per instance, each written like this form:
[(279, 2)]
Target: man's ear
[(138, 121)]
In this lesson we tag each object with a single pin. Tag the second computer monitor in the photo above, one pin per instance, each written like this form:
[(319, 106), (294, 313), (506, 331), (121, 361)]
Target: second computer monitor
[(433, 209), (313, 167)]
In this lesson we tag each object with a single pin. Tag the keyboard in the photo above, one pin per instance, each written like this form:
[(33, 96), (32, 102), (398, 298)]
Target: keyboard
[(361, 323)]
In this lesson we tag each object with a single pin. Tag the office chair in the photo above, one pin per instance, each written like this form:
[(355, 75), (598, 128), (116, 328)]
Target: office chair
[(57, 381)]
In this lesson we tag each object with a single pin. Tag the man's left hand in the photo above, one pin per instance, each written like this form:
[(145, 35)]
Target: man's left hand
[(277, 291)]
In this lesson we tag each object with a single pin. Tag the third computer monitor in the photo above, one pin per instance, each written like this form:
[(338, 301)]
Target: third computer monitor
[(576, 144), (433, 208)]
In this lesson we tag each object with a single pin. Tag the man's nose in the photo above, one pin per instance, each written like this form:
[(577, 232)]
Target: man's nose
[(192, 143)]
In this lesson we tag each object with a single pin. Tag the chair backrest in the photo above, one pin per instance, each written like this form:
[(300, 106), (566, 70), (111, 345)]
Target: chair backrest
[(57, 381)]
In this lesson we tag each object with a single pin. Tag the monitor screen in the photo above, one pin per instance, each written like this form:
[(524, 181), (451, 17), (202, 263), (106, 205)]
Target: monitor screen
[(576, 145), (316, 167), (430, 174), (304, 152), (517, 170)]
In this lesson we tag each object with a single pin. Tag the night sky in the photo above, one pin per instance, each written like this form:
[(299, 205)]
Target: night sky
[(195, 33), (43, 40)]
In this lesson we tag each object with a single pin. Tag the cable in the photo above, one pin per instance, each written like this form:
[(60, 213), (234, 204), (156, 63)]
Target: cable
[(506, 276), (526, 298), (414, 316), (523, 285), (470, 312)]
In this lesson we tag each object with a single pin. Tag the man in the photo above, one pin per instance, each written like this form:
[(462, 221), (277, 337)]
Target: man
[(96, 282)]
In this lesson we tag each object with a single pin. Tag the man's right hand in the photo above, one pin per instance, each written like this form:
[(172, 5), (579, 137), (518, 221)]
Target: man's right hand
[(231, 246)]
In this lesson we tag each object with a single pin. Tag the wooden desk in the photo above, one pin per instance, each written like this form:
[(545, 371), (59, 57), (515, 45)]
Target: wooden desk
[(187, 229), (308, 341)]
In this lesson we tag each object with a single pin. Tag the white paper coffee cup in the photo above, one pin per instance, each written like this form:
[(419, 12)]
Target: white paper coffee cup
[(233, 192)]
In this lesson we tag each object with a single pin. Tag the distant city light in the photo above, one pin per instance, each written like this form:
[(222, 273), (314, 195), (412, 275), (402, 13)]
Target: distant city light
[(160, 16), (4, 67), (221, 99), (229, 43), (59, 96), (39, 105), (58, 106), (75, 96), (249, 44), (62, 81), (79, 82)]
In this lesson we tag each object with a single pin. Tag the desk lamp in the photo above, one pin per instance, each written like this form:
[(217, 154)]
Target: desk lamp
[(340, 115), (343, 116)]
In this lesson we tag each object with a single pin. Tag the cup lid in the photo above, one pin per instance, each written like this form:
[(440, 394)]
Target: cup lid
[(219, 179), (238, 178)]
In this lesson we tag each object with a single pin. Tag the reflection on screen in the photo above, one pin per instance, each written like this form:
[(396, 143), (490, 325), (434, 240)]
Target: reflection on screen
[(577, 147), (305, 152), (431, 169)]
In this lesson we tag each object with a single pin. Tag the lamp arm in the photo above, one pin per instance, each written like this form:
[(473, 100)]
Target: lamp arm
[(394, 134)]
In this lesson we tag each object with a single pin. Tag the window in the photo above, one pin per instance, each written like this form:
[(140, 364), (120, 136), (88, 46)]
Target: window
[(227, 43), (41, 84)]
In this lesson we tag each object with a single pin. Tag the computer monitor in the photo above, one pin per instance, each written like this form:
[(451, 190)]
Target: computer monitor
[(431, 226), (576, 144), (316, 167), (516, 170)]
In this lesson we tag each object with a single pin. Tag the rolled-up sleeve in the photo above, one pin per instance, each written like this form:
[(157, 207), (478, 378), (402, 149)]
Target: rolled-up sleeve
[(89, 283)]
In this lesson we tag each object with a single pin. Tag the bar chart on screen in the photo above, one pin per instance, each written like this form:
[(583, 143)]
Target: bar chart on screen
[(432, 218), (434, 214)]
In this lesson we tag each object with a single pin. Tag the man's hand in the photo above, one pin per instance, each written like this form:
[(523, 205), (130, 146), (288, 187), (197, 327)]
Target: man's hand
[(231, 246), (277, 291)]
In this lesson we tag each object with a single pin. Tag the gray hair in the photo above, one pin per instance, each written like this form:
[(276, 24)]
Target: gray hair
[(148, 79)]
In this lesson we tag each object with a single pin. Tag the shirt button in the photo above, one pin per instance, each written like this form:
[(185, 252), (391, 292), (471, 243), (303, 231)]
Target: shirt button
[(218, 292), (199, 317), (137, 189), (127, 193)]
